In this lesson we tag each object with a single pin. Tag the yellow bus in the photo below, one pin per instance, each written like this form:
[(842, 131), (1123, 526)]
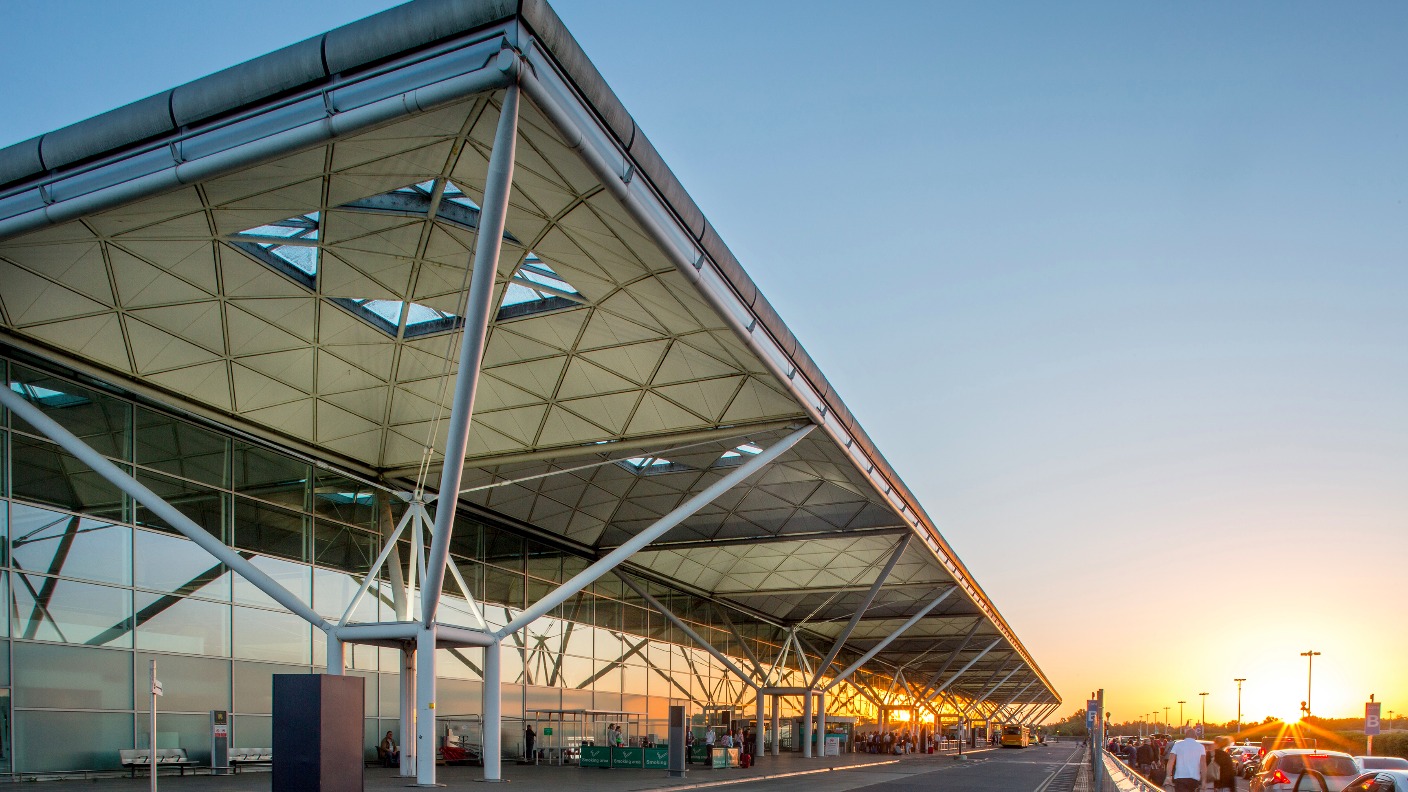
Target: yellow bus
[(1016, 737)]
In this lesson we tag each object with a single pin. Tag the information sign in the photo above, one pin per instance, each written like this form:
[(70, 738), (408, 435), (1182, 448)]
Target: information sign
[(633, 758), (657, 758), (1371, 717), (1091, 707), (547, 731)]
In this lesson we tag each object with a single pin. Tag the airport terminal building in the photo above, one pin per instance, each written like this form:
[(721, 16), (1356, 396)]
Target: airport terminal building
[(244, 325)]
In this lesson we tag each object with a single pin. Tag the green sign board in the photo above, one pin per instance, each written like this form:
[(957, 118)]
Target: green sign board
[(595, 756), (698, 754), (633, 758), (547, 731), (657, 758), (724, 757)]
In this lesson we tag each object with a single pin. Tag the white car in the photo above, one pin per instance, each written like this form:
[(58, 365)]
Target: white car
[(1281, 768), (1367, 763), (1380, 781)]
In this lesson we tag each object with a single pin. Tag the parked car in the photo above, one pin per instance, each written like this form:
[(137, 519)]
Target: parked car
[(1280, 769), (1380, 781), (1367, 763)]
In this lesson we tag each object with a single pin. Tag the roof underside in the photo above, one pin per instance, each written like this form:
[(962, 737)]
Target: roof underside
[(608, 403)]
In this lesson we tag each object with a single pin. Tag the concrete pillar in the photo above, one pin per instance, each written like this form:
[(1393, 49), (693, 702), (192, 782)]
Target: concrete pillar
[(493, 713), (807, 725), (425, 706), (408, 710)]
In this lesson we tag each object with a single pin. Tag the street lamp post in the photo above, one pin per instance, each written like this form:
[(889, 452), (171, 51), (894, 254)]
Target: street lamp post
[(1309, 671), (1166, 724), (1204, 721), (1181, 722), (1239, 681)]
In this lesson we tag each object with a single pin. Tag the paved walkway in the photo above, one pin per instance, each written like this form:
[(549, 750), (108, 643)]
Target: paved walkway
[(526, 778)]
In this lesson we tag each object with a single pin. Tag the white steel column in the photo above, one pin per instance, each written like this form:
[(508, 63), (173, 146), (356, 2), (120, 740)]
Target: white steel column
[(806, 725), (425, 706), (630, 547), (776, 722), (337, 658), (821, 724), (408, 710), (488, 240), (493, 713), (758, 731)]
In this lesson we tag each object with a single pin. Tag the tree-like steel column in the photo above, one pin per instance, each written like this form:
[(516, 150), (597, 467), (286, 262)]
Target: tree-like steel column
[(864, 605), (498, 182), (806, 734), (425, 706), (865, 658), (493, 713), (821, 724), (633, 545)]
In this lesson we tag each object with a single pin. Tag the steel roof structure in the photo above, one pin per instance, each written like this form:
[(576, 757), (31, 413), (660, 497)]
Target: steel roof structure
[(285, 247)]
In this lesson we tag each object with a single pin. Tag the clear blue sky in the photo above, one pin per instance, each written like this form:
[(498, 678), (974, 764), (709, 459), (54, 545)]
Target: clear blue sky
[(1121, 289)]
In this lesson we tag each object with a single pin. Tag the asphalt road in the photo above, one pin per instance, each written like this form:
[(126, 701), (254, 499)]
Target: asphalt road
[(1037, 769)]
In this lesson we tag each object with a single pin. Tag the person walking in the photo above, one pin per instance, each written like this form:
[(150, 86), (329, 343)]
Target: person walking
[(1187, 762), (1222, 771), (528, 737)]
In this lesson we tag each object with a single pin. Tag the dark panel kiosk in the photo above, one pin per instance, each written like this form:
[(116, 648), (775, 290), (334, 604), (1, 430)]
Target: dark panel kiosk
[(317, 733)]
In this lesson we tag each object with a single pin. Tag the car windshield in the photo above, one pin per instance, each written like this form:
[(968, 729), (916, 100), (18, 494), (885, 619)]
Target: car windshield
[(1325, 764)]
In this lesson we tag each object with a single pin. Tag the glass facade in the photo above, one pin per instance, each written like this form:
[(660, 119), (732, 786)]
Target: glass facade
[(98, 587)]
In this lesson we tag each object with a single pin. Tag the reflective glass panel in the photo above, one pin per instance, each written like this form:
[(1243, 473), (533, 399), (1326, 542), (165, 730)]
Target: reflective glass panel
[(270, 476), (167, 623), (72, 677), (53, 609), (45, 741), (270, 635), (181, 449), (297, 578), (345, 500), (189, 684), (75, 547), (343, 547), (269, 529), (102, 421), (173, 565), (333, 591), (254, 685), (44, 473), (205, 506)]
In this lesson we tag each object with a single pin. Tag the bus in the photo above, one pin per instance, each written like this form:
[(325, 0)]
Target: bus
[(1016, 737)]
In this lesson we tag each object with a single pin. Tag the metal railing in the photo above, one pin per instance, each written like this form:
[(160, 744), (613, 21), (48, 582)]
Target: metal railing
[(1122, 778)]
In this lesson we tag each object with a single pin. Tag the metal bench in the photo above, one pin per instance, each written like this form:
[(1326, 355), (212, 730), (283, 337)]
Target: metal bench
[(140, 759), (250, 756)]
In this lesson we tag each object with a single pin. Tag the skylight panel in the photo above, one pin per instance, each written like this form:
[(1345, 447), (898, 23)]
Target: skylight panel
[(296, 255), (385, 315), (737, 454), (651, 465), (536, 288), (452, 193)]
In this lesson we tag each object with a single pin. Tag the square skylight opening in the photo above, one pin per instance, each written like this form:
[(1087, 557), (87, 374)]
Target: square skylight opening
[(48, 397), (651, 465), (535, 288), (736, 455), (295, 254), (385, 315)]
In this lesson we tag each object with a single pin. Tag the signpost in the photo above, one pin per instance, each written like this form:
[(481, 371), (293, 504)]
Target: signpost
[(151, 736), (1371, 722)]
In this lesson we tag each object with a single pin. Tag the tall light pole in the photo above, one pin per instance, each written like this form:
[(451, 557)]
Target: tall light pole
[(1180, 714), (1239, 681), (1309, 671), (1204, 721), (1166, 724)]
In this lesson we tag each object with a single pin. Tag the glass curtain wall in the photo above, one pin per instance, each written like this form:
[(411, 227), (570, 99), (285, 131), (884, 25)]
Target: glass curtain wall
[(98, 587)]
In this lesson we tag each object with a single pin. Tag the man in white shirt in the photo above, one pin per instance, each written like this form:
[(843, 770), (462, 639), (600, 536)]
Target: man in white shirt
[(1187, 760)]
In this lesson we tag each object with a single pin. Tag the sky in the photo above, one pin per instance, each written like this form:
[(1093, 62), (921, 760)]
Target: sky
[(1118, 288)]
